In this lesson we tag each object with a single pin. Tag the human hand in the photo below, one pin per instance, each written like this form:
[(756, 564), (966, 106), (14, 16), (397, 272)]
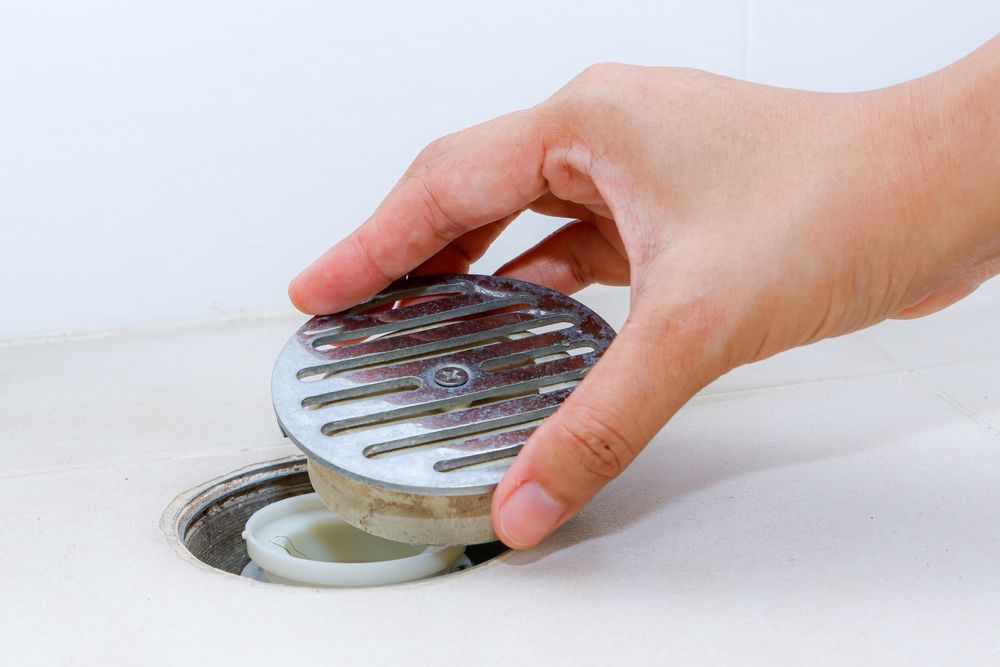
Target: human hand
[(747, 219)]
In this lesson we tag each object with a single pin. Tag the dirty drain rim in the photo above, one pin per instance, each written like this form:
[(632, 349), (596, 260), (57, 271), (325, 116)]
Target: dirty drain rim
[(204, 524)]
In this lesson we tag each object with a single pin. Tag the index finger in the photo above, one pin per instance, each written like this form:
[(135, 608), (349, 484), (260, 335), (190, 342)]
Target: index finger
[(478, 176)]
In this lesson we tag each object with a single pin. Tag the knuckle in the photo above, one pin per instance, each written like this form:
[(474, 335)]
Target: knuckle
[(600, 74), (427, 155), (612, 85), (599, 448), (430, 151), (602, 90), (686, 74)]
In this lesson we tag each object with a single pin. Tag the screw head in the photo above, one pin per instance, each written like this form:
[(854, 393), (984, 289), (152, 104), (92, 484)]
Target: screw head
[(451, 376)]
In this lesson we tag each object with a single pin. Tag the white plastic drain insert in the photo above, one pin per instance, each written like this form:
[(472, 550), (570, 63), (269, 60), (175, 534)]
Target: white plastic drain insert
[(299, 541)]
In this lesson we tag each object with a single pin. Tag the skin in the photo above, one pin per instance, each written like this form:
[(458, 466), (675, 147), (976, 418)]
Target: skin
[(747, 219)]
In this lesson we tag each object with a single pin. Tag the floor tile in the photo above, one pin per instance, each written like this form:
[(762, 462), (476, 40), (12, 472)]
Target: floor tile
[(121, 398)]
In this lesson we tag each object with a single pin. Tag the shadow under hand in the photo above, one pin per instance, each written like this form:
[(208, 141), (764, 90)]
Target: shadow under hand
[(718, 438)]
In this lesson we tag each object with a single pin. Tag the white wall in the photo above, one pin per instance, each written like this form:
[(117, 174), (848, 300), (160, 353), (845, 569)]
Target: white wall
[(177, 160)]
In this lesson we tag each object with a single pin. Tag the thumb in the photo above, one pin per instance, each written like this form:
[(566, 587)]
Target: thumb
[(644, 377)]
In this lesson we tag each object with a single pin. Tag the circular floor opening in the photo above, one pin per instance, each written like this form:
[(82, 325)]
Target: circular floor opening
[(208, 521)]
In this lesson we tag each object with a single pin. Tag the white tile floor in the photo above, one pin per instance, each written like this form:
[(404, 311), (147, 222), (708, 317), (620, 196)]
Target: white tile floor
[(835, 505)]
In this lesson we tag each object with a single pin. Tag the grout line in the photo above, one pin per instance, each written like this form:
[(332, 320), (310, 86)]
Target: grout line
[(146, 329), (119, 465), (901, 368), (800, 383), (952, 364), (957, 404), (889, 356), (884, 351)]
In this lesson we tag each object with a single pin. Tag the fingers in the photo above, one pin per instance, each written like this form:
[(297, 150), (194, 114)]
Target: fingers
[(482, 175), (628, 396), (549, 204), (572, 258), (458, 256)]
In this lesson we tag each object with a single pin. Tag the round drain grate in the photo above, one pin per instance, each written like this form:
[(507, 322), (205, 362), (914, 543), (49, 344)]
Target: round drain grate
[(410, 406)]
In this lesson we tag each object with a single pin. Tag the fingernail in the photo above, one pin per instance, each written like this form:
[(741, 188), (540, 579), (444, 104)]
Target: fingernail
[(529, 514)]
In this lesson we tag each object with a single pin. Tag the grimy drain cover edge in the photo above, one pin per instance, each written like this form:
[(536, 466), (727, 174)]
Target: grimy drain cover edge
[(411, 405)]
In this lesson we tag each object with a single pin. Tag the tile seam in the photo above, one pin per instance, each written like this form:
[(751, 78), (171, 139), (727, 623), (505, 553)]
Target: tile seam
[(122, 465)]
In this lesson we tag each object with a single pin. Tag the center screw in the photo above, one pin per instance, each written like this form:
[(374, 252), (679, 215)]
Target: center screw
[(451, 376)]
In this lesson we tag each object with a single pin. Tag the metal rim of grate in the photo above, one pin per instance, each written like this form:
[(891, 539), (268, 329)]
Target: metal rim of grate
[(432, 386)]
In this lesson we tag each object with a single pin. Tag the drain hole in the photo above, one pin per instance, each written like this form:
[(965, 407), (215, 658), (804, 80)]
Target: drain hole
[(208, 522)]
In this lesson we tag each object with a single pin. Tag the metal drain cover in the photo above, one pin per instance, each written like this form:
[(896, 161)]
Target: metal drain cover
[(411, 405)]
